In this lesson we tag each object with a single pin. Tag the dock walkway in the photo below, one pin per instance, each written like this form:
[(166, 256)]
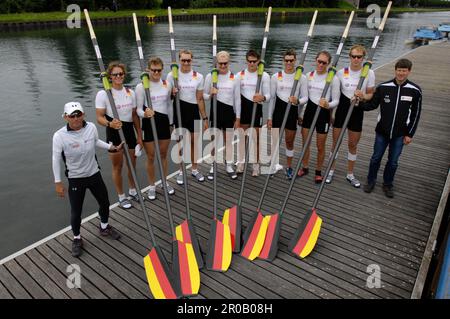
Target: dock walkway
[(358, 229)]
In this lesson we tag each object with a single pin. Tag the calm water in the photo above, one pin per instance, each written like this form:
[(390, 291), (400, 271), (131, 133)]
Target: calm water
[(42, 70)]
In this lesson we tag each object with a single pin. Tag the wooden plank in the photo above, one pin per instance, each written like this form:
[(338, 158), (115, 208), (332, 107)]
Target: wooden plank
[(4, 293), (56, 267), (41, 278), (26, 281), (87, 272), (423, 271), (12, 284)]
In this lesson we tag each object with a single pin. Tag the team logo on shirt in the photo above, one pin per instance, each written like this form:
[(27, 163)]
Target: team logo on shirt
[(387, 99), (75, 145), (346, 73), (280, 76), (231, 76)]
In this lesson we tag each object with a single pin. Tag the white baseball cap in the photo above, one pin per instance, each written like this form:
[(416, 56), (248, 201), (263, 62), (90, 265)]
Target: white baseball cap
[(71, 107)]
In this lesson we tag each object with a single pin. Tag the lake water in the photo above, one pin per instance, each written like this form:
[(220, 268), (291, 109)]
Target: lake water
[(44, 69)]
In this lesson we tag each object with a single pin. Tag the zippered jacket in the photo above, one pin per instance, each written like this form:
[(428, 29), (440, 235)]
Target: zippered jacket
[(400, 107)]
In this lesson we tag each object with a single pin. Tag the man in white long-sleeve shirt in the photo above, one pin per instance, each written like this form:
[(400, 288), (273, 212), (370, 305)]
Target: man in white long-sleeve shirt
[(75, 144)]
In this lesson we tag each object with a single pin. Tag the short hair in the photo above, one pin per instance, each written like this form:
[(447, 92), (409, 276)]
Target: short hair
[(358, 47), (290, 52), (326, 53), (116, 64), (223, 54), (252, 53), (155, 60), (185, 51), (403, 64)]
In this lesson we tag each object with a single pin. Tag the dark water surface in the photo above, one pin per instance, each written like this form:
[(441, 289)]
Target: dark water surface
[(42, 70)]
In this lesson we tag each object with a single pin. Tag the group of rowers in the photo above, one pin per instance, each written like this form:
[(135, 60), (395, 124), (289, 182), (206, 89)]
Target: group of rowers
[(236, 98)]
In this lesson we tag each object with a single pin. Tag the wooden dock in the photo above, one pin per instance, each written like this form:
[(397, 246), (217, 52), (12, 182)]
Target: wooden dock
[(358, 229)]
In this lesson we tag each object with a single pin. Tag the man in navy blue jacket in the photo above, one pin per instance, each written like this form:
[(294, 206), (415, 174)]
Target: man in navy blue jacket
[(400, 102)]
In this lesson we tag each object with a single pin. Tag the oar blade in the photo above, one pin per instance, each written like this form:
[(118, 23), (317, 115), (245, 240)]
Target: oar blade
[(185, 232), (185, 268), (306, 236), (270, 248), (254, 236), (233, 218), (160, 278), (220, 252)]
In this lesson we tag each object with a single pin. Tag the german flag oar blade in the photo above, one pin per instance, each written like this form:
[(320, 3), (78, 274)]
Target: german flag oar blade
[(185, 232), (254, 236), (305, 237), (219, 249), (185, 268), (232, 217), (160, 279), (270, 248)]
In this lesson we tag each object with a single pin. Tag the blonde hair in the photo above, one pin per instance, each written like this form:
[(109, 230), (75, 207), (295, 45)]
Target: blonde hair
[(224, 54), (358, 47)]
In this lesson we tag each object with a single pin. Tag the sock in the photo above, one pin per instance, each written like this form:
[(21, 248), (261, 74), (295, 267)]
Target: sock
[(194, 171), (132, 191), (152, 187), (350, 176), (77, 237), (122, 197), (331, 172), (103, 225), (229, 168), (318, 173)]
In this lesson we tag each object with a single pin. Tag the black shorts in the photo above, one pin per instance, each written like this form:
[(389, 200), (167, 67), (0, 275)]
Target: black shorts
[(189, 114), (278, 115), (112, 135), (225, 116), (162, 127), (246, 112), (323, 121), (356, 119)]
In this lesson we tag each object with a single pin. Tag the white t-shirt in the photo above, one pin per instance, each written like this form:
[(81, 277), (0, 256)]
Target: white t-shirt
[(124, 99), (248, 82), (281, 84), (160, 93), (188, 84), (349, 81), (316, 84), (229, 91), (78, 148)]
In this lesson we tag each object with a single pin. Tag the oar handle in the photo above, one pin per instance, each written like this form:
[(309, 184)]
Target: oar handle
[(255, 105), (329, 79), (146, 85), (363, 77), (175, 73), (297, 77)]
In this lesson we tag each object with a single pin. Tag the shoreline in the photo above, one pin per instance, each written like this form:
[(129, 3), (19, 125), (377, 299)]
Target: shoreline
[(34, 21)]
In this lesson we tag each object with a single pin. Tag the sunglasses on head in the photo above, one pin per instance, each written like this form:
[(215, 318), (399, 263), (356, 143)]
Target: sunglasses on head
[(356, 56), (117, 74), (322, 62), (75, 115), (186, 60)]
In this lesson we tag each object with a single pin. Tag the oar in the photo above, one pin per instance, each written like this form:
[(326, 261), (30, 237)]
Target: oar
[(315, 221), (261, 235), (160, 278), (184, 262), (185, 232), (233, 215), (307, 233), (218, 256)]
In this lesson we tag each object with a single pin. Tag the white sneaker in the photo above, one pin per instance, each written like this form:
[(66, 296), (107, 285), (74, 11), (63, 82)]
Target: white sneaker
[(151, 193), (255, 171), (231, 172), (329, 178), (180, 180), (170, 189), (211, 173)]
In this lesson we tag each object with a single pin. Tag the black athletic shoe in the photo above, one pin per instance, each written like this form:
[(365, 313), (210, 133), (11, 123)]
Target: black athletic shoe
[(368, 188), (388, 191), (109, 231), (77, 247)]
